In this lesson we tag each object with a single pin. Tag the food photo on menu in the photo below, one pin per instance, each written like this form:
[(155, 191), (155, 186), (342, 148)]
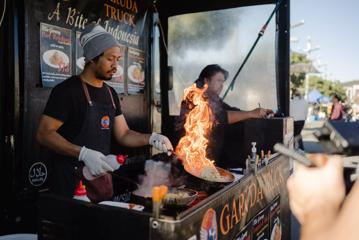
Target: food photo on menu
[(56, 59), (136, 74), (55, 54), (275, 224), (80, 59), (135, 71), (118, 76), (80, 63), (276, 233), (118, 81)]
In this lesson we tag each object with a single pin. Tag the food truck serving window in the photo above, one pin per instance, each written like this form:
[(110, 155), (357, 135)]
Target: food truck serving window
[(224, 37)]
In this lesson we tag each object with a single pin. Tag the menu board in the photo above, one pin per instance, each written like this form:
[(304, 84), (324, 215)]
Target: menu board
[(61, 54), (274, 220), (117, 81), (55, 54), (260, 225), (135, 70), (246, 233), (80, 59)]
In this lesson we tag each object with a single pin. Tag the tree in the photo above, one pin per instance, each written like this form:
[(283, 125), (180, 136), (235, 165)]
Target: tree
[(297, 79), (326, 87), (298, 58)]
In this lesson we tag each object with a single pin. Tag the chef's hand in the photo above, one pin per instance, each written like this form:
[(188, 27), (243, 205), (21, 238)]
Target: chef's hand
[(161, 142), (261, 112), (315, 194), (93, 160)]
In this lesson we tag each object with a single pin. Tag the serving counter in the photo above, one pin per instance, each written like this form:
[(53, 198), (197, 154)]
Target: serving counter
[(254, 206)]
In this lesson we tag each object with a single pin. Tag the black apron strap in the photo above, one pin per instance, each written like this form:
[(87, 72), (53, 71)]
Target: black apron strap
[(88, 98), (113, 102), (86, 91)]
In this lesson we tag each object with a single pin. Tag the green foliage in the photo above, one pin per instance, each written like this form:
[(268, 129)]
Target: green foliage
[(324, 86), (298, 58), (297, 80)]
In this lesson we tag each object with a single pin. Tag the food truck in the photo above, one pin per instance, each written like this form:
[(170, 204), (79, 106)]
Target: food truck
[(165, 44)]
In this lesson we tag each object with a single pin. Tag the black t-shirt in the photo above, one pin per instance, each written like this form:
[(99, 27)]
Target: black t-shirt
[(68, 104), (216, 138), (219, 108)]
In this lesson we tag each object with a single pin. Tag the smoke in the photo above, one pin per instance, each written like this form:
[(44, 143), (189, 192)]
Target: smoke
[(187, 30), (156, 173)]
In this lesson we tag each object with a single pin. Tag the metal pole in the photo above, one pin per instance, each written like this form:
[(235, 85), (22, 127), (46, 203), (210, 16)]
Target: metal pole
[(260, 34)]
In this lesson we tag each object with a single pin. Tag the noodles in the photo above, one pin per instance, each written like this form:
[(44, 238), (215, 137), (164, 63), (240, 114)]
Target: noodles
[(211, 174)]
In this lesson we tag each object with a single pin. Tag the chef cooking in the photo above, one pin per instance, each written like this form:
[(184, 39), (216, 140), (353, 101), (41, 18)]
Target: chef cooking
[(80, 117)]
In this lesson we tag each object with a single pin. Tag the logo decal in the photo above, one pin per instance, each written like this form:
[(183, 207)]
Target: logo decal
[(105, 122), (209, 226), (37, 174)]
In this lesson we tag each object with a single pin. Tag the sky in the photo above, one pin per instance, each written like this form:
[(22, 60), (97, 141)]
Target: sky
[(333, 25)]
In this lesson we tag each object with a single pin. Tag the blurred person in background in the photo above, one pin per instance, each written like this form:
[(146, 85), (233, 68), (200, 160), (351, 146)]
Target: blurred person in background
[(298, 109), (338, 112)]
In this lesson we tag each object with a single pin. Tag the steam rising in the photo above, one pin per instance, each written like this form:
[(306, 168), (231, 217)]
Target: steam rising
[(156, 173)]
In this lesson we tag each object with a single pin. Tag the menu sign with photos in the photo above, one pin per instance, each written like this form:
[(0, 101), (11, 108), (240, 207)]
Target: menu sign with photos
[(260, 225), (246, 233), (55, 54), (274, 220), (135, 71), (80, 59), (117, 81)]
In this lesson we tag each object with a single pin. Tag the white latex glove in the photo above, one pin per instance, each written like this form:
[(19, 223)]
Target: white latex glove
[(93, 160), (161, 142)]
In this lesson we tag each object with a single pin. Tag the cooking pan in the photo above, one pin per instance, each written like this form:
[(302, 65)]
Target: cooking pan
[(193, 181), (201, 184), (175, 198), (179, 176), (226, 176)]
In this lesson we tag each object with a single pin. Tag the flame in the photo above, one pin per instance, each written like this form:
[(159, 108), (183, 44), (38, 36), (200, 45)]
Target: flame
[(198, 124)]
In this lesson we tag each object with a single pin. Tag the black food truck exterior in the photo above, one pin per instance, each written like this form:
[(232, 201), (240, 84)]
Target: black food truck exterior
[(44, 50), (252, 207)]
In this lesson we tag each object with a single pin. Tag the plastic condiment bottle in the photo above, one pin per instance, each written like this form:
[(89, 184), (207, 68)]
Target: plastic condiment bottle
[(247, 170), (256, 164), (267, 157), (80, 193), (265, 160), (115, 161), (254, 151), (87, 174)]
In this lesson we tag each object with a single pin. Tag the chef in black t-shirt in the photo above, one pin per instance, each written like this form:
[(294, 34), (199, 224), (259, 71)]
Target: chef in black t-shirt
[(214, 76), (81, 115)]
